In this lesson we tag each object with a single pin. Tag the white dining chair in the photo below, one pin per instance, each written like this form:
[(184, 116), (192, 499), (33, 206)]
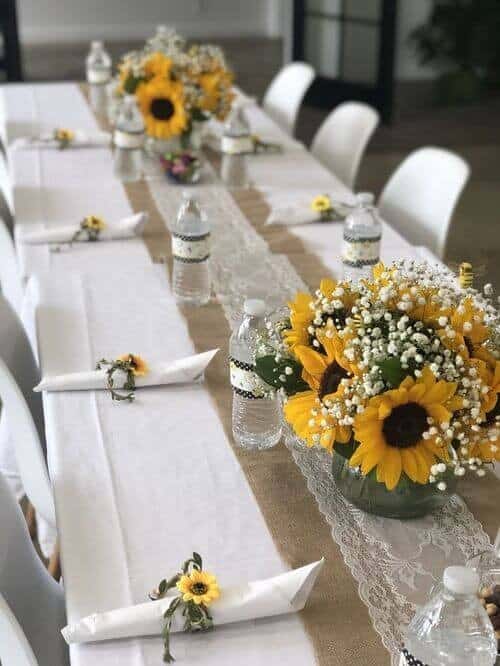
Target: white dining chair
[(420, 196), (285, 93), (341, 139), (22, 430), (6, 193), (10, 276), (31, 602)]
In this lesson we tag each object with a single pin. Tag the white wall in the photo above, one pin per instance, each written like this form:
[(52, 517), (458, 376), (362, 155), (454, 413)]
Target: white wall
[(70, 20)]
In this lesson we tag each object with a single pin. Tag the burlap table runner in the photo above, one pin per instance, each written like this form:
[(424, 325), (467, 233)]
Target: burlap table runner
[(335, 618)]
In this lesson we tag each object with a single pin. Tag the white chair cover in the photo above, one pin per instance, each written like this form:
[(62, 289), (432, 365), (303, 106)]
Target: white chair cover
[(341, 139), (10, 276), (285, 94), (31, 602), (22, 425), (420, 196)]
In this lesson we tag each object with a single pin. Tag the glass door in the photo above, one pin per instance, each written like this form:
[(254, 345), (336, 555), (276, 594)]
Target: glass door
[(350, 43)]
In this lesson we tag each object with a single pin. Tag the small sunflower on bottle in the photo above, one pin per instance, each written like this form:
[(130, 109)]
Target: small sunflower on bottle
[(399, 373)]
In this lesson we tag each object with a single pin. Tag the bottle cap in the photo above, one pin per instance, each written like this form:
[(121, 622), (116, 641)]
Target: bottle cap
[(461, 580), (255, 307), (96, 44), (365, 198)]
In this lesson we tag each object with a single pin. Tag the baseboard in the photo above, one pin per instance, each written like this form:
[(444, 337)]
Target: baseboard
[(58, 34)]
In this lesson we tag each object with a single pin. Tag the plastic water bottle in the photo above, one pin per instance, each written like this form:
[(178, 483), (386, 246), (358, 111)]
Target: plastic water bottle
[(191, 253), (361, 242), (452, 629), (128, 138), (235, 145), (98, 76), (256, 415)]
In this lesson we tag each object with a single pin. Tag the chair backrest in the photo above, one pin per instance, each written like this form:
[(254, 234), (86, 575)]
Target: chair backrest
[(342, 138), (10, 277), (420, 196), (285, 93), (6, 194), (31, 602), (22, 410)]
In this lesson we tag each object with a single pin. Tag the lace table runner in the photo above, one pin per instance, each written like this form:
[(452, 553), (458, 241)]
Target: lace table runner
[(395, 563)]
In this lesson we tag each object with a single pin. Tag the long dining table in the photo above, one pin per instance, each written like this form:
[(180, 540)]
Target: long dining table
[(138, 487)]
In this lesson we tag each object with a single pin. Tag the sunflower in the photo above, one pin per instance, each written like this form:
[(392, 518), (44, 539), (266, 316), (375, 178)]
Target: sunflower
[(157, 64), (94, 223), (162, 105), (394, 433), (137, 364), (467, 330), (321, 204), (214, 85), (301, 317), (302, 313), (64, 135), (199, 586), (306, 411), (490, 376)]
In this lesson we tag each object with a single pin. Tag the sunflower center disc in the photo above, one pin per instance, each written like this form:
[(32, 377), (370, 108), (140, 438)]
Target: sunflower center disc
[(162, 109), (199, 588), (405, 425), (491, 416), (331, 379)]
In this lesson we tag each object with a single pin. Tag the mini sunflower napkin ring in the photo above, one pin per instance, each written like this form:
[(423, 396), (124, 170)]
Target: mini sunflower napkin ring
[(197, 589), (133, 366), (64, 137), (322, 204), (89, 229)]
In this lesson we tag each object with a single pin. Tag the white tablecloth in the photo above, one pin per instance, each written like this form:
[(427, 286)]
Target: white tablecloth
[(138, 487)]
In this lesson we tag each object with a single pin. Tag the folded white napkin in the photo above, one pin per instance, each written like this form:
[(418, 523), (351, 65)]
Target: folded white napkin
[(128, 227), (302, 213), (182, 371), (282, 594), (81, 139)]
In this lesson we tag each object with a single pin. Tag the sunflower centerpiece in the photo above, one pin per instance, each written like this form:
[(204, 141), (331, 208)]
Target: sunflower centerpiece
[(397, 377), (177, 87)]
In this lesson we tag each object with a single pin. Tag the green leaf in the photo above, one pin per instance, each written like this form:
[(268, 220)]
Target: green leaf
[(345, 450), (198, 115), (162, 587), (271, 370), (392, 371), (197, 560), (130, 84)]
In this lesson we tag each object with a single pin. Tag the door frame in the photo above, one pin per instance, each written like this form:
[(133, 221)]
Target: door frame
[(326, 92)]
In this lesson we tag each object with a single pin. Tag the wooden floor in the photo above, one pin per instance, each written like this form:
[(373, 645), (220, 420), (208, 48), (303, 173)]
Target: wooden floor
[(472, 131)]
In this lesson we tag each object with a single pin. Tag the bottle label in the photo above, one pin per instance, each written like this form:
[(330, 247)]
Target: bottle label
[(359, 252), (236, 145), (128, 140), (245, 381), (98, 76), (191, 249), (411, 660)]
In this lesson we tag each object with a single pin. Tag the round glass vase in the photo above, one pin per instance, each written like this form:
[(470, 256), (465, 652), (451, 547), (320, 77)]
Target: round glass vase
[(193, 138), (157, 147), (407, 500)]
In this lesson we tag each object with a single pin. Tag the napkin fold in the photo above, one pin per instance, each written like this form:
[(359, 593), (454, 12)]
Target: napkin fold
[(81, 139), (286, 593), (181, 371), (128, 227), (302, 213)]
